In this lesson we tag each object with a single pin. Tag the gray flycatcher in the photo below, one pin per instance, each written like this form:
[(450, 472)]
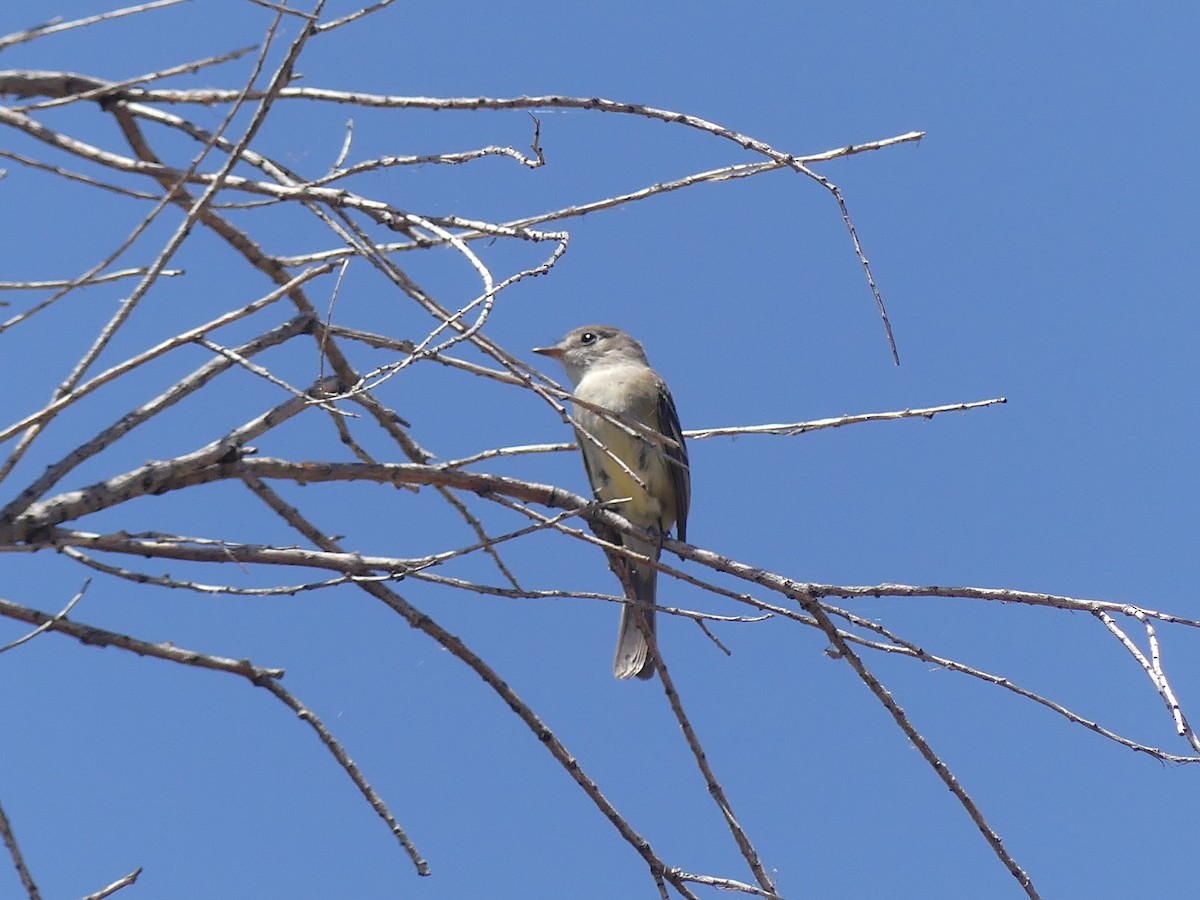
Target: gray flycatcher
[(608, 369)]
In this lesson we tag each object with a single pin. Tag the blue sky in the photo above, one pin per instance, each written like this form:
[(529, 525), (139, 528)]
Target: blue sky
[(1037, 244)]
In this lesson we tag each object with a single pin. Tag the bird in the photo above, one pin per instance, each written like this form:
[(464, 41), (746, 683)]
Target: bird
[(608, 369)]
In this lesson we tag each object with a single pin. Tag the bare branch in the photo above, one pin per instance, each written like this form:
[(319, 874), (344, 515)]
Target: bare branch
[(287, 590), (456, 646), (354, 16), (98, 279), (43, 627), (14, 851), (901, 718), (1153, 669), (260, 677), (126, 423), (129, 879), (798, 428), (54, 26), (339, 753), (99, 637), (116, 86), (710, 778), (182, 339), (68, 175)]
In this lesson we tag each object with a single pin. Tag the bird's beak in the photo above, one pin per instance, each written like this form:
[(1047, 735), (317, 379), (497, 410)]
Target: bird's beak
[(552, 352)]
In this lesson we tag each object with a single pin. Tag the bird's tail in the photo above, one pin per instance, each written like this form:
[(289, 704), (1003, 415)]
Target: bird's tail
[(633, 656)]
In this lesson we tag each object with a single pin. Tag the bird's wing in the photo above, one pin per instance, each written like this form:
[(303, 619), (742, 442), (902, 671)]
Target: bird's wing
[(681, 474), (584, 448)]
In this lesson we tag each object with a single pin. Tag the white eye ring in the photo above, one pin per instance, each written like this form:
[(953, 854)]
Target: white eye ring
[(588, 337)]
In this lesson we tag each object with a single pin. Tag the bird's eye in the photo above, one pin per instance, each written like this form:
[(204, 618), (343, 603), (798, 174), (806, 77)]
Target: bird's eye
[(588, 337)]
